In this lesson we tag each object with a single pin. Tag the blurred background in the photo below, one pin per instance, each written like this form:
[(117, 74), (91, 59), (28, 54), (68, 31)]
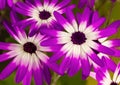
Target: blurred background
[(106, 8)]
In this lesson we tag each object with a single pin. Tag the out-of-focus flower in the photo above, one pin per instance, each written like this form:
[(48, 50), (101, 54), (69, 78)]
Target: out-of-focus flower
[(113, 0), (88, 3), (4, 3), (79, 41), (41, 14), (103, 76)]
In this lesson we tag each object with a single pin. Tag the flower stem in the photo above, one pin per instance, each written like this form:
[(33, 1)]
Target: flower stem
[(55, 78)]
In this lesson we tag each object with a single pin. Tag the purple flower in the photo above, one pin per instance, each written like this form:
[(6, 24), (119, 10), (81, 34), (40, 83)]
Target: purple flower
[(113, 43), (27, 56), (103, 76), (4, 3), (113, 1), (40, 14), (79, 41), (88, 3)]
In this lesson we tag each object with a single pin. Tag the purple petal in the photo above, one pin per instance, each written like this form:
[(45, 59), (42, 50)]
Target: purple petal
[(78, 15), (91, 3), (60, 18), (33, 29), (27, 78), (104, 49), (55, 48), (46, 1), (110, 30), (56, 25), (117, 53), (21, 72), (22, 8), (56, 56), (47, 75), (115, 42), (86, 15), (8, 70), (11, 30), (85, 65), (6, 56), (37, 74), (2, 4), (109, 63), (70, 15), (38, 2), (64, 65), (10, 2), (50, 42), (100, 75), (24, 23), (82, 3), (5, 46), (63, 3), (54, 67), (98, 23), (67, 26), (54, 2), (49, 32), (96, 59), (74, 67), (14, 17), (95, 17)]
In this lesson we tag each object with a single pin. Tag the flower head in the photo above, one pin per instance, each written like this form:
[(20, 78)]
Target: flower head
[(79, 41), (103, 76), (40, 14), (28, 57)]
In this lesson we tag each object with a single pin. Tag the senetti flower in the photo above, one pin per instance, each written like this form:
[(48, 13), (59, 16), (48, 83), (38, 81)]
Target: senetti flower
[(88, 3), (113, 43), (103, 76), (41, 13), (79, 41), (4, 3), (28, 57)]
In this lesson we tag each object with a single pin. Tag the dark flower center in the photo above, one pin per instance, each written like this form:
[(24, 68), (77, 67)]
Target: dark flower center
[(29, 47), (113, 83), (44, 15), (78, 38)]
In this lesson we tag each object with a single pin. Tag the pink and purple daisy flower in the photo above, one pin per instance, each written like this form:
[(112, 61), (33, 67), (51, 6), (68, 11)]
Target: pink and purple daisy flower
[(79, 41), (28, 57), (40, 13), (103, 75)]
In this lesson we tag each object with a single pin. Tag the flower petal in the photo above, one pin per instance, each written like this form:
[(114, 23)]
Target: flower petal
[(47, 75), (27, 78), (21, 72), (37, 74), (64, 65), (110, 30), (85, 65), (8, 70), (74, 67), (67, 26)]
